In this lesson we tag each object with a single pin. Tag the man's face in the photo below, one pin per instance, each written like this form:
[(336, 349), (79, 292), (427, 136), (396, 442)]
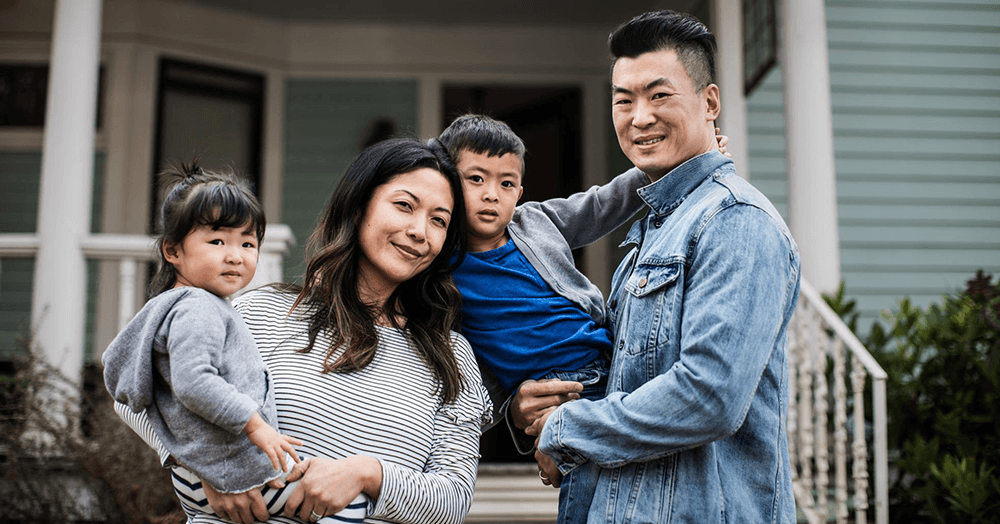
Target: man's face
[(660, 120)]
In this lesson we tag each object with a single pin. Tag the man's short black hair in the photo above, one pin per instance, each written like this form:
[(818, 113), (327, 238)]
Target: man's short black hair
[(660, 30)]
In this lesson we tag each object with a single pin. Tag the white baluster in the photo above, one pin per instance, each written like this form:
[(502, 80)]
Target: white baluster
[(840, 429), (822, 408), (860, 446), (127, 268), (806, 451)]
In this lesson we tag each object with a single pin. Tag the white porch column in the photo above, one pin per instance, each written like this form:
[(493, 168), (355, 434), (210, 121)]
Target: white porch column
[(812, 189), (58, 300), (727, 16)]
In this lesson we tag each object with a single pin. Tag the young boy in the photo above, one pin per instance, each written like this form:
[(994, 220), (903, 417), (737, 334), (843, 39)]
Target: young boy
[(526, 309)]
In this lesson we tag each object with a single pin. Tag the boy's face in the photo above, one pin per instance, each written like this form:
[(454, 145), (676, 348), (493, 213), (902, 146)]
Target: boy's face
[(492, 186)]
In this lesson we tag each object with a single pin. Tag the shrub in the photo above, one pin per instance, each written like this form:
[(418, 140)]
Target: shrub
[(95, 470), (943, 398)]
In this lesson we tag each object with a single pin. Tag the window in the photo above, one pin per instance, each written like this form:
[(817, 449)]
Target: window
[(23, 91), (211, 113), (760, 41)]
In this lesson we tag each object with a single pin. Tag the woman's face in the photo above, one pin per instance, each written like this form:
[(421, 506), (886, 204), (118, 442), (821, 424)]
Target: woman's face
[(402, 231)]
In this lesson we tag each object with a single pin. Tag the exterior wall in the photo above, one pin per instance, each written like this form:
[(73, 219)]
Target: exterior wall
[(423, 58), (326, 121), (916, 116), (20, 172)]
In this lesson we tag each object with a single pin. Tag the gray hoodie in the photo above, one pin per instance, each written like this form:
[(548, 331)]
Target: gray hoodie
[(189, 360)]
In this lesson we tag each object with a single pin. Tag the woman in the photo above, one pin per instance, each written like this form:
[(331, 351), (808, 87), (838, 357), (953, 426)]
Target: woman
[(366, 370)]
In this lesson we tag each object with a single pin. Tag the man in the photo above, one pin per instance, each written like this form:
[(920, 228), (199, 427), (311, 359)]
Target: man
[(693, 426)]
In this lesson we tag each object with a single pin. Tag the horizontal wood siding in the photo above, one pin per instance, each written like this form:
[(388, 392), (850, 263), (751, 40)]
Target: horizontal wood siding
[(916, 112), (326, 121), (20, 176)]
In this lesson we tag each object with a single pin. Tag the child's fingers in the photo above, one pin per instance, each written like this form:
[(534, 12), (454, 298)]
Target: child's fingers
[(295, 456), (273, 455)]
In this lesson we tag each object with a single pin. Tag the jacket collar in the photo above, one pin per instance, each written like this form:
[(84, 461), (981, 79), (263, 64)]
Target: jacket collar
[(664, 195)]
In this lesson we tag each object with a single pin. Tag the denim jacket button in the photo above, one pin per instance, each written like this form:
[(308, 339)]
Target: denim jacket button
[(642, 282), (657, 223)]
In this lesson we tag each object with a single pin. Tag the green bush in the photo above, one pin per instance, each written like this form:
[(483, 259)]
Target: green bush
[(943, 398)]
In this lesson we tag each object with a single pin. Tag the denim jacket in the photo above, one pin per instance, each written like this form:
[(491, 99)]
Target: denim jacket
[(693, 426)]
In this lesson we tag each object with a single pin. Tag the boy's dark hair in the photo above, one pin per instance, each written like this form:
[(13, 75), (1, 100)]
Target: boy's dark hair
[(659, 30), (481, 134), (195, 197)]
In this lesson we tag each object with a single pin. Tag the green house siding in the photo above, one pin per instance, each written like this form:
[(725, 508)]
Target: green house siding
[(20, 177), (326, 121), (915, 91)]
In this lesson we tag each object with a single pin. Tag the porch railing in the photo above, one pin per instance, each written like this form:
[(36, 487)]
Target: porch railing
[(821, 350), (129, 251)]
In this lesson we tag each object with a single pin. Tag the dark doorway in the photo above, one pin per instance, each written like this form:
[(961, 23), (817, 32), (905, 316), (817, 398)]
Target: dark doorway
[(548, 119), (215, 114)]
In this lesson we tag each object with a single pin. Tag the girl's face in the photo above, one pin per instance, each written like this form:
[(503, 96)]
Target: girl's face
[(402, 231), (221, 261)]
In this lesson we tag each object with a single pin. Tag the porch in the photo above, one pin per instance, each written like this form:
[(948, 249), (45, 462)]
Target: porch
[(838, 455)]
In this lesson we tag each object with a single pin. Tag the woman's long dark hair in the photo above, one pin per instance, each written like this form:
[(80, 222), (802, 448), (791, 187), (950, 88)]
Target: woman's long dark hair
[(429, 302), (196, 197)]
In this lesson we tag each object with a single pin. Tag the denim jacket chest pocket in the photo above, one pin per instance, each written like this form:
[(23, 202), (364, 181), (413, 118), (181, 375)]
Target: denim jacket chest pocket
[(650, 305)]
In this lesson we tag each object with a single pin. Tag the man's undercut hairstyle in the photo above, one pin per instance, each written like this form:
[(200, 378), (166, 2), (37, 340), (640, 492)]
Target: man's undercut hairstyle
[(660, 30), (481, 134)]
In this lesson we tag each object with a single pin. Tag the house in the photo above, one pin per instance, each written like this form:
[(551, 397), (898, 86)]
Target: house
[(872, 125)]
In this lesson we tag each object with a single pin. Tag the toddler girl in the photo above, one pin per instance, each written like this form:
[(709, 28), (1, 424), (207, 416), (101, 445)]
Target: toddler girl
[(187, 357)]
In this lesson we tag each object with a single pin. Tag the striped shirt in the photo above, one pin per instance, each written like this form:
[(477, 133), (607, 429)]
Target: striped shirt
[(429, 451)]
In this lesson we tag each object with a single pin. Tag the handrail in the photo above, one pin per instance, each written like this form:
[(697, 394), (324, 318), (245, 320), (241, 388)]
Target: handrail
[(842, 330), (812, 447)]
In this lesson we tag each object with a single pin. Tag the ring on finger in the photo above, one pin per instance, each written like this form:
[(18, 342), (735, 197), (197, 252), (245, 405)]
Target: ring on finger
[(313, 516), (542, 476)]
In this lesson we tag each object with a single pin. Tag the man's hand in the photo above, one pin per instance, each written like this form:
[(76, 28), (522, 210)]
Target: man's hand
[(537, 398), (548, 471), (242, 508), (536, 427), (262, 435)]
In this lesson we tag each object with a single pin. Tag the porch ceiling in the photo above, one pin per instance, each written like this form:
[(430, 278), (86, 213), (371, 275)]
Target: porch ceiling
[(534, 12)]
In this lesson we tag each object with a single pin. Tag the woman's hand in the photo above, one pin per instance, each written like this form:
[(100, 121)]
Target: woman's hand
[(328, 486), (242, 508)]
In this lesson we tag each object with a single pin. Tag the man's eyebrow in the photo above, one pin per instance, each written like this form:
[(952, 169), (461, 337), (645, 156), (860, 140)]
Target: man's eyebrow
[(662, 81)]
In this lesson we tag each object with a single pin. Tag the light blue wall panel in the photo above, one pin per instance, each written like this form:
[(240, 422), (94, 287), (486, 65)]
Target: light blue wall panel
[(325, 123), (20, 175), (916, 111)]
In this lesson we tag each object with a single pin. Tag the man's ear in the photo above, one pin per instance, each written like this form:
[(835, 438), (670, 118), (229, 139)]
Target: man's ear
[(520, 191), (712, 102)]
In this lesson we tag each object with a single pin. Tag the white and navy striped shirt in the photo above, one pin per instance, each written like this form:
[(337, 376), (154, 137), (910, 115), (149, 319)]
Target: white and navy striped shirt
[(429, 452)]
